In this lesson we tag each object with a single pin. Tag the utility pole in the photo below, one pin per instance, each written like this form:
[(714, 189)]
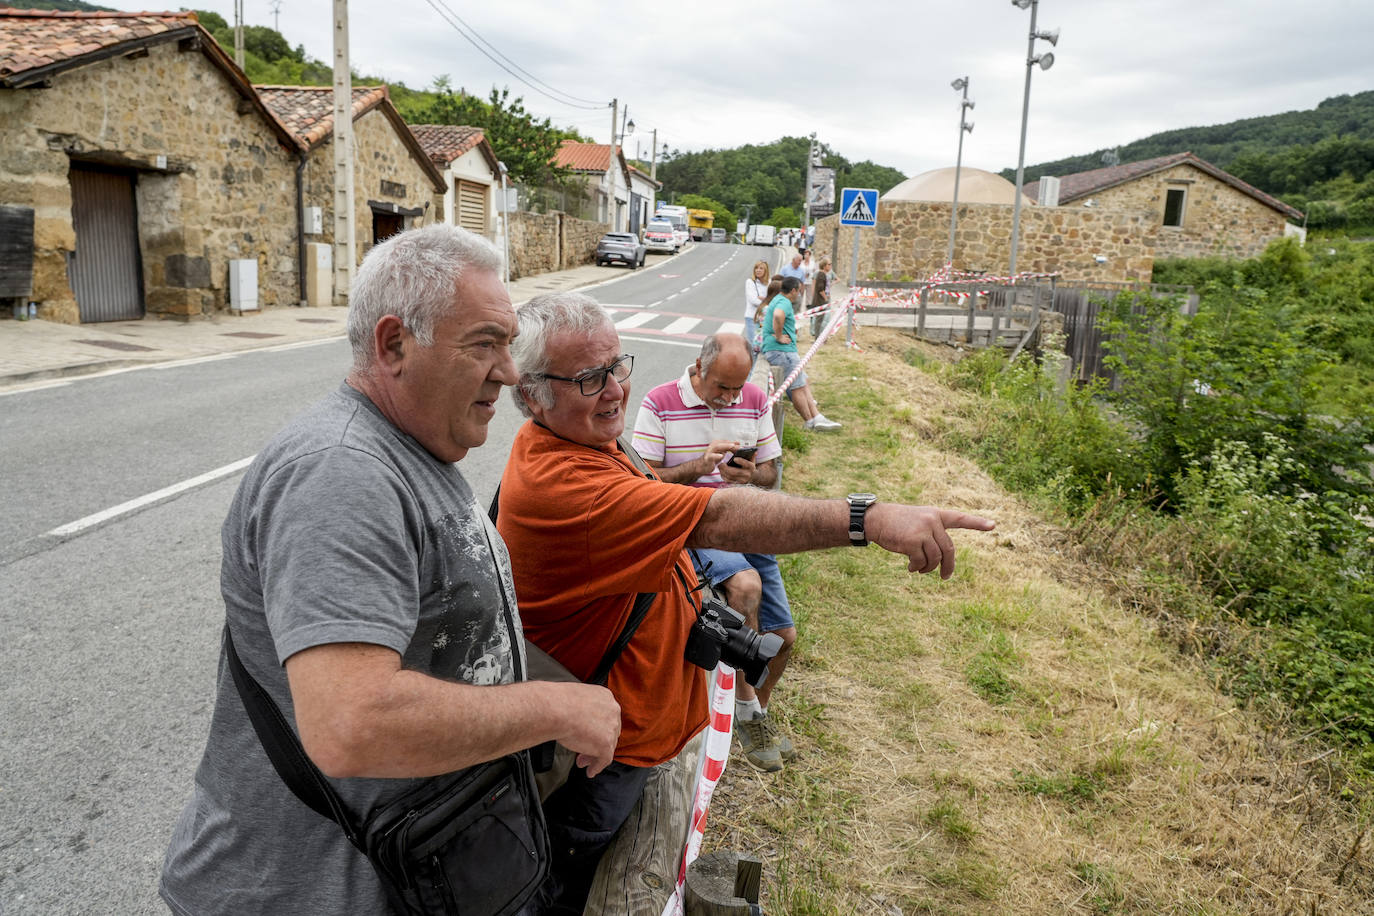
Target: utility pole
[(615, 118), (806, 207), (276, 15), (238, 33), (345, 241), (653, 155)]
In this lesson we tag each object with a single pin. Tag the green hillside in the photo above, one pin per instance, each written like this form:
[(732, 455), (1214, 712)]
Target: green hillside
[(1320, 160)]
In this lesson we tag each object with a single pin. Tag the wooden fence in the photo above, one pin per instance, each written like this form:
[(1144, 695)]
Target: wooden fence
[(1013, 316)]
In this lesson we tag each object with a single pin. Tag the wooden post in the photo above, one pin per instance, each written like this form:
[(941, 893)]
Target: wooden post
[(723, 883), (968, 334), (921, 313)]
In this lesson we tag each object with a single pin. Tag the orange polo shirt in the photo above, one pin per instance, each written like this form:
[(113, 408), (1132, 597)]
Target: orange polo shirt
[(586, 534)]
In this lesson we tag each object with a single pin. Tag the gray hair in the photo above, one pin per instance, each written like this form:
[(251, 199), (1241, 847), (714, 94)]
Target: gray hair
[(413, 275), (542, 320), (713, 346)]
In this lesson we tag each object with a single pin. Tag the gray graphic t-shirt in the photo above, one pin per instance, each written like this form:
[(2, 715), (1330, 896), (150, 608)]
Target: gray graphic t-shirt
[(343, 529)]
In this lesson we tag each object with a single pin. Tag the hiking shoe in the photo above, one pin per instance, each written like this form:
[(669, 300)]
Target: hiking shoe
[(820, 421), (756, 741), (780, 741)]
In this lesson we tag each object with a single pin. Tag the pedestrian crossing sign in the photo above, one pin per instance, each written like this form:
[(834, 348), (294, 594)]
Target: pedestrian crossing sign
[(859, 207)]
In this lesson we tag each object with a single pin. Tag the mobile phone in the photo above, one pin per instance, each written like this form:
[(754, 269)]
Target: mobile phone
[(746, 453)]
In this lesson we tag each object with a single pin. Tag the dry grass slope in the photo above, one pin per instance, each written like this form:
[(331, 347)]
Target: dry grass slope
[(1014, 740)]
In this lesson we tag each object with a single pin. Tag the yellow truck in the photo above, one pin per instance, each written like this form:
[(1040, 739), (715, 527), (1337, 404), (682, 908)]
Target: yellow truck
[(699, 223)]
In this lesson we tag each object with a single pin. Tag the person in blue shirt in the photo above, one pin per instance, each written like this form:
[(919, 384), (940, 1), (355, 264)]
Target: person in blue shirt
[(780, 349)]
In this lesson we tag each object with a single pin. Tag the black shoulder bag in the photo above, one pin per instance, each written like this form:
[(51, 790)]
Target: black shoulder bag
[(472, 842)]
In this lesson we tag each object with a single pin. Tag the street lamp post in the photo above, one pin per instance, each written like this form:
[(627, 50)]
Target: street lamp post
[(505, 226), (964, 127), (806, 197), (1045, 61)]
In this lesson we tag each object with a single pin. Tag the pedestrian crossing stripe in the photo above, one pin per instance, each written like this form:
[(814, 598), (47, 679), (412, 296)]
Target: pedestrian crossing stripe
[(857, 206)]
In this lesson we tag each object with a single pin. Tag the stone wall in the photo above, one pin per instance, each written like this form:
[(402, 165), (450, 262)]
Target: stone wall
[(227, 190), (541, 242), (911, 240), (1218, 220)]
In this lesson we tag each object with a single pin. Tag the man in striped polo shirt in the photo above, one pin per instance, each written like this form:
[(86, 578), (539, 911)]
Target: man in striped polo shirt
[(690, 431)]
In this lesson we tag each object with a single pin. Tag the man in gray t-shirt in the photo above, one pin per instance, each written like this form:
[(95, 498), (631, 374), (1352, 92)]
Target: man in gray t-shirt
[(371, 598)]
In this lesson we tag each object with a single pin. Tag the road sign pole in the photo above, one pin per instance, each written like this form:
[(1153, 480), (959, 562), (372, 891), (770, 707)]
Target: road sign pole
[(853, 278)]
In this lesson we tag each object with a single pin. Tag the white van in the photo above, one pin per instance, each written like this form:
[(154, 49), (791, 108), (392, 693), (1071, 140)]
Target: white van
[(761, 235)]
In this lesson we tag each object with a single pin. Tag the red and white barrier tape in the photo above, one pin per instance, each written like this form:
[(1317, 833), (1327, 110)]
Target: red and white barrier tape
[(776, 394), (714, 752)]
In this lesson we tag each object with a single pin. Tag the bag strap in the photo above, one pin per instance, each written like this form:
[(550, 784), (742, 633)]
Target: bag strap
[(283, 748), (643, 600)]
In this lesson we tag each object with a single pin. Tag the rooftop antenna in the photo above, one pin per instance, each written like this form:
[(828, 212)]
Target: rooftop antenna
[(276, 15)]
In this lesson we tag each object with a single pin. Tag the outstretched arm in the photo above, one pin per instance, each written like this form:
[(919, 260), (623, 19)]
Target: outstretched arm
[(920, 533)]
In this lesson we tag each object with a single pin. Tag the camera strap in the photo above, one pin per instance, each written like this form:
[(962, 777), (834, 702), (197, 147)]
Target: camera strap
[(638, 611)]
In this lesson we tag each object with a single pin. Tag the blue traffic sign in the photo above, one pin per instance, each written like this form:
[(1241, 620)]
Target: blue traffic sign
[(859, 207)]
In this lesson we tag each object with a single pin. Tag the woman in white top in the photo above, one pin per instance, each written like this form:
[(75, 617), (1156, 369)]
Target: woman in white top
[(754, 289), (808, 265)]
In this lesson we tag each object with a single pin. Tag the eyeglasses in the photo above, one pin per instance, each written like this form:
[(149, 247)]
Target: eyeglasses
[(593, 381)]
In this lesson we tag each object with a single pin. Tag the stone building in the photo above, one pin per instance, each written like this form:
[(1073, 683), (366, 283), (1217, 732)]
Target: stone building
[(395, 185), (911, 238), (1200, 210), (606, 175), (145, 163)]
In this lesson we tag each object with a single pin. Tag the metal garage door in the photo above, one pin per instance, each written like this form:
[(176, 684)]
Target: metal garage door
[(472, 206), (104, 270)]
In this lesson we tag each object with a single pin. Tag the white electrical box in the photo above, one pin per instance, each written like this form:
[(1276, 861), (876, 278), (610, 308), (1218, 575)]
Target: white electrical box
[(1049, 191), (319, 275), (243, 285), (314, 221)]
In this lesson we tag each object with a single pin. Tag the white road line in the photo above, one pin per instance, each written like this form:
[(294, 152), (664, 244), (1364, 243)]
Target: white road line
[(637, 319), (731, 327), (98, 518), (666, 341), (682, 326)]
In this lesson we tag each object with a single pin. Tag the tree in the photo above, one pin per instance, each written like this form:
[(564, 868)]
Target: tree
[(782, 217), (525, 145)]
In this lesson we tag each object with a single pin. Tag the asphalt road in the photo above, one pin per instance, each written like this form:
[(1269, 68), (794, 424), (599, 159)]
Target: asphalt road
[(111, 619)]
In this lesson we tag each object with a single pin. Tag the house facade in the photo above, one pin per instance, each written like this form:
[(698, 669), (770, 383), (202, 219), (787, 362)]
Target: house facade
[(470, 172), (607, 179), (643, 199), (1200, 210), (148, 163), (395, 185)]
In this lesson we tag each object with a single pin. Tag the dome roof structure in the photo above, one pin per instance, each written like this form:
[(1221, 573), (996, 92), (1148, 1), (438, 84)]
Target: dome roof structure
[(975, 187)]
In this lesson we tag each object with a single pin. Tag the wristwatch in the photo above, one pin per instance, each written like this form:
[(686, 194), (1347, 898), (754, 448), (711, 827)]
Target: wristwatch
[(858, 508)]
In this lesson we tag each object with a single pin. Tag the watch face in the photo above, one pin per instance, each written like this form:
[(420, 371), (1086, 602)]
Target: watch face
[(862, 498)]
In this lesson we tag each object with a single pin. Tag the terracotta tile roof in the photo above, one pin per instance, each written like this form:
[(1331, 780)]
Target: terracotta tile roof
[(1084, 184), (44, 39), (444, 143), (583, 157), (308, 111)]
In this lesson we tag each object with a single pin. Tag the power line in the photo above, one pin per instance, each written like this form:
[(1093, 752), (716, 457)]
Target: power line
[(462, 28)]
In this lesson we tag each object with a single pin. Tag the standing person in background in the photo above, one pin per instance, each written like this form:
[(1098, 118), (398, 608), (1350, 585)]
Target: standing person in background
[(780, 349), (820, 297), (808, 266), (795, 269), (754, 289)]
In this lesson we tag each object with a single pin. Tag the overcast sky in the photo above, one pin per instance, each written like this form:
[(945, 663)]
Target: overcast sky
[(870, 77)]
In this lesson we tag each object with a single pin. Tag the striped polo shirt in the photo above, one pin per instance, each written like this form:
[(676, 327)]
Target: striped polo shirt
[(675, 426)]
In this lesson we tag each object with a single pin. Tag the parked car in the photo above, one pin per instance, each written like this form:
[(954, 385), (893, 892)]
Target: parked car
[(620, 248), (718, 235), (659, 236)]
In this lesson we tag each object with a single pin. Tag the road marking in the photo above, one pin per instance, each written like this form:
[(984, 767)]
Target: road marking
[(731, 327), (636, 320), (666, 341), (682, 325), (132, 505)]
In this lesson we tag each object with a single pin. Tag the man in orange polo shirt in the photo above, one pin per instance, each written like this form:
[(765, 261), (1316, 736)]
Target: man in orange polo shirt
[(587, 532)]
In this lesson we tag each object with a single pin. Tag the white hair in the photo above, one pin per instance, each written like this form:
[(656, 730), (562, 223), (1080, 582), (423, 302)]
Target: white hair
[(542, 320), (415, 276)]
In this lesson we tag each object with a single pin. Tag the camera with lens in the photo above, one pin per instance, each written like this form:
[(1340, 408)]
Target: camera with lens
[(720, 634)]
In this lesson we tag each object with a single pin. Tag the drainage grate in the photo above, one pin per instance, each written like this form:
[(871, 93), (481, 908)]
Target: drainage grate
[(115, 345), (256, 335)]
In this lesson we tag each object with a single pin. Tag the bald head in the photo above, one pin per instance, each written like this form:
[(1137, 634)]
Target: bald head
[(722, 369)]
